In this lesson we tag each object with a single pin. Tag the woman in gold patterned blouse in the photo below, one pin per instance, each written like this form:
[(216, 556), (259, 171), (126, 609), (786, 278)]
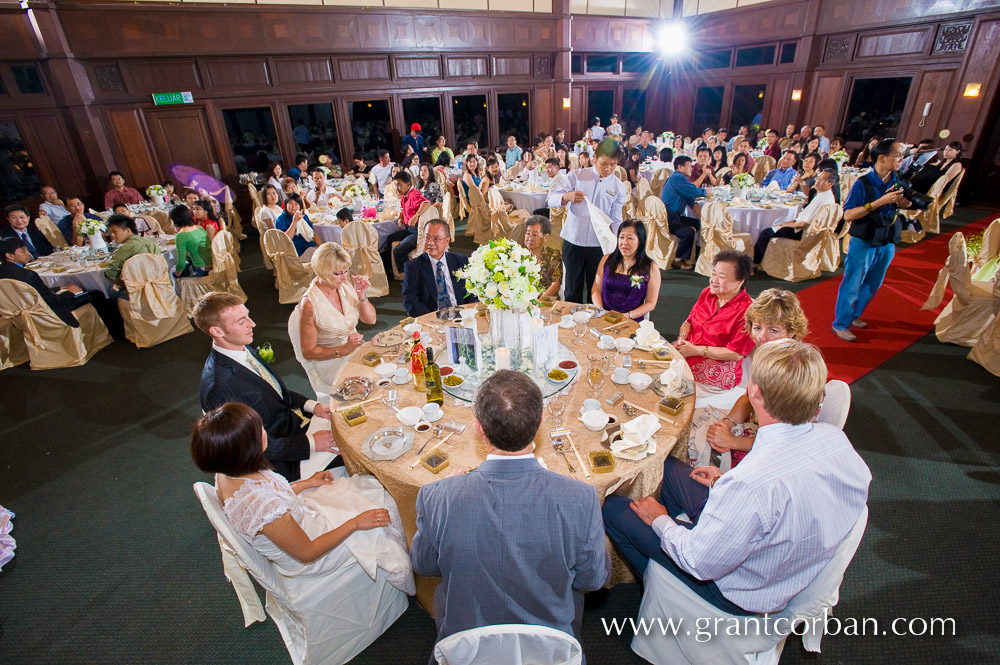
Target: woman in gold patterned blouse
[(536, 235)]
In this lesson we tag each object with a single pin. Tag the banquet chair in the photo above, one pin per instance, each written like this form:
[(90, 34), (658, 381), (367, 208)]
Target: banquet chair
[(254, 195), (986, 263), (152, 224), (13, 349), (234, 220), (391, 194), (360, 240), (510, 644), (429, 214), (51, 343), (557, 217), (51, 232), (153, 313), (223, 277), (947, 207), (722, 173), (796, 260), (463, 207), (762, 166), (504, 223), (642, 190), (836, 404), (480, 221), (448, 211), (326, 619), (742, 642), (440, 178), (970, 311), (261, 230), (929, 218), (986, 352), (291, 276), (717, 234), (659, 178), (661, 245), (574, 161), (621, 174)]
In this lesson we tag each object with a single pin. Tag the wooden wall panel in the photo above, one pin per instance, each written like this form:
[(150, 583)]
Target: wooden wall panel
[(932, 86), (132, 147), (181, 136), (147, 76), (235, 73), (467, 67), (53, 145), (414, 68), (512, 65), (893, 43), (778, 96), (542, 112), (17, 38), (826, 101), (302, 70), (363, 69)]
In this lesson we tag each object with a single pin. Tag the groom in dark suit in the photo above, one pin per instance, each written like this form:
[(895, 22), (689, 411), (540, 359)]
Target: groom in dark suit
[(512, 542), (429, 283), (235, 373)]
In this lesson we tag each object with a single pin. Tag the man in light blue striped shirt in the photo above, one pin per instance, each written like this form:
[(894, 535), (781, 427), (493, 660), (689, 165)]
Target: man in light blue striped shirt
[(774, 521)]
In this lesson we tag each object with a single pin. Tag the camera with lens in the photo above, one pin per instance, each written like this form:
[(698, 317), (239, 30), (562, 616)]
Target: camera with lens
[(918, 200)]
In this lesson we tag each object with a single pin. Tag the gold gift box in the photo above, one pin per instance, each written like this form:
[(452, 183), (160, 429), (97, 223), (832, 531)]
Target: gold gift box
[(613, 317), (355, 416), (662, 353), (602, 461), (372, 358), (435, 461), (671, 405)]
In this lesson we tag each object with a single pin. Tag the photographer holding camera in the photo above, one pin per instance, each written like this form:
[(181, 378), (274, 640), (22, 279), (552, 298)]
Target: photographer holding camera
[(872, 209)]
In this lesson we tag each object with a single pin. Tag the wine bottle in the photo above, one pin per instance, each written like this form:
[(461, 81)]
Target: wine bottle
[(432, 379)]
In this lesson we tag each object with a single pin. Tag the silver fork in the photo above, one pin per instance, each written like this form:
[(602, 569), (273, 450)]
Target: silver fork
[(558, 445)]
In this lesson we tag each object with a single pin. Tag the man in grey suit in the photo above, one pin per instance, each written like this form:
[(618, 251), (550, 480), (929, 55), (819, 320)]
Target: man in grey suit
[(512, 542)]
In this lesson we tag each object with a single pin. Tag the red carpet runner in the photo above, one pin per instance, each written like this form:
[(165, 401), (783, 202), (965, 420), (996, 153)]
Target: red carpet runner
[(895, 320)]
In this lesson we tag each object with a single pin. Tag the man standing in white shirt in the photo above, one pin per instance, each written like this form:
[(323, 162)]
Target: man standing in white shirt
[(824, 142), (597, 132), (381, 174), (826, 180), (771, 524), (581, 248)]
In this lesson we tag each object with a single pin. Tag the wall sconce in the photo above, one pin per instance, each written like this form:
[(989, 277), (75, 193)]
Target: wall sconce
[(972, 89), (566, 102), (796, 95), (524, 103)]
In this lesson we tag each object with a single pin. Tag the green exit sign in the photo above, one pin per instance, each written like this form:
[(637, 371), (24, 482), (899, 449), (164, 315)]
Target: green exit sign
[(164, 98)]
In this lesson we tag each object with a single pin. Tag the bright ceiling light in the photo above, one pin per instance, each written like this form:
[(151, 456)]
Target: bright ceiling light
[(673, 38)]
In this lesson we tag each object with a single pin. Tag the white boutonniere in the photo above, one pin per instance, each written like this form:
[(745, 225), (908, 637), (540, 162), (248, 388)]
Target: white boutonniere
[(637, 281)]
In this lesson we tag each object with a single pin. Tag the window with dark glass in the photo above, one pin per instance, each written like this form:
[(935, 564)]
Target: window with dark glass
[(637, 62), (787, 53), (715, 59), (470, 121), (370, 127), (633, 110), (20, 180), (576, 64), (316, 126), (27, 79), (602, 64), (426, 112), (876, 106), (707, 107), (748, 105), (752, 56), (513, 116), (252, 137), (600, 104)]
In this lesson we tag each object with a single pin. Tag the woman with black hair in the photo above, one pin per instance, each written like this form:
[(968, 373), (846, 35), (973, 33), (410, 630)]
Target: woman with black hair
[(945, 164), (627, 280)]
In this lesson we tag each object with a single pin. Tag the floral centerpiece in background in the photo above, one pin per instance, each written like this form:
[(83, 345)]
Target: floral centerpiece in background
[(840, 157), (504, 276), (156, 193), (92, 230), (742, 181), (325, 169), (355, 191), (667, 137), (580, 146)]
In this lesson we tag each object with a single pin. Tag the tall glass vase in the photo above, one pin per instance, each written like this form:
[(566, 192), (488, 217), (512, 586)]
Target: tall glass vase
[(505, 331), (97, 243)]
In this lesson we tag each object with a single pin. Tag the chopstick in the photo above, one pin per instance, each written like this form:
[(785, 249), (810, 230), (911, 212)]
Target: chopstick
[(445, 439), (351, 405), (617, 325), (569, 437), (639, 408)]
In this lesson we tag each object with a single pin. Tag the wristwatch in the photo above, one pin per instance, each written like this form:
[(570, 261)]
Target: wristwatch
[(868, 207)]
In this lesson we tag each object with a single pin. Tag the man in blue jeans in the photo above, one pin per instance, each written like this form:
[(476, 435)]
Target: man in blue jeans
[(871, 208)]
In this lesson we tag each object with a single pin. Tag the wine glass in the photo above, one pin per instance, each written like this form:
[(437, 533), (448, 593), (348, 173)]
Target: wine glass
[(580, 330), (556, 405), (597, 371), (391, 398)]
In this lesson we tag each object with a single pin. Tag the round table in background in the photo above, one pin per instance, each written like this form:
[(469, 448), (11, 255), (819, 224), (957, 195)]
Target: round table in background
[(630, 479), (329, 231), (529, 201), (91, 278)]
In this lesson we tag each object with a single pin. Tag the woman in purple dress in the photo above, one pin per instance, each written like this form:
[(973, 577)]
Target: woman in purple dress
[(627, 280)]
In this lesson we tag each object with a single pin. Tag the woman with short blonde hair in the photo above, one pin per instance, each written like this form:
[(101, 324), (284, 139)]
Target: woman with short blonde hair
[(323, 327)]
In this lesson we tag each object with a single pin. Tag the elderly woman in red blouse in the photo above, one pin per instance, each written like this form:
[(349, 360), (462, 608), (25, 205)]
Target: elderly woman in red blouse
[(714, 339)]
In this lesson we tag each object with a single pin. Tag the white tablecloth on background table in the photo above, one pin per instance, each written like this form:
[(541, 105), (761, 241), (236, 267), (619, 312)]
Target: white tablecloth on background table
[(529, 201), (92, 278), (755, 220), (330, 232)]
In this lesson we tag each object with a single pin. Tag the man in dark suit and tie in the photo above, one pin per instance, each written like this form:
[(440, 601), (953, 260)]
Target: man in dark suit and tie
[(512, 542), (21, 227), (15, 254), (235, 373), (429, 283)]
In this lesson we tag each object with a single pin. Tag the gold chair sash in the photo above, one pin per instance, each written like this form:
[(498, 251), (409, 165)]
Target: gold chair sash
[(51, 232), (360, 240), (661, 245)]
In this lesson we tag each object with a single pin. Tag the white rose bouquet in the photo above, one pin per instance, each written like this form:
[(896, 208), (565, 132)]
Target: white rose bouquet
[(355, 191), (89, 227), (743, 180), (503, 275), (840, 157), (155, 190)]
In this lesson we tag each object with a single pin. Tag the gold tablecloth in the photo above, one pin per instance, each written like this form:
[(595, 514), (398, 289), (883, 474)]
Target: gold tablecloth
[(630, 479)]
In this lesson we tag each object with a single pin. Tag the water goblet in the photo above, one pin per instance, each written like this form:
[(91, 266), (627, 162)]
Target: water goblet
[(580, 331), (596, 371), (556, 406)]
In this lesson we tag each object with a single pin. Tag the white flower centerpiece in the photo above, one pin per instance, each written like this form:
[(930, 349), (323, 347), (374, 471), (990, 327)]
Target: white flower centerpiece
[(92, 230), (156, 193), (741, 182), (504, 276), (840, 157), (355, 191)]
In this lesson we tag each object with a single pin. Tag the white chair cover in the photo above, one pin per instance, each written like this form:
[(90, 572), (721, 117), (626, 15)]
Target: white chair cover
[(509, 644), (261, 230), (448, 210), (986, 352), (970, 311), (659, 177), (505, 223), (762, 166), (291, 276), (153, 313), (667, 597), (328, 619), (557, 216), (479, 222), (254, 195), (947, 207), (360, 240), (717, 234), (51, 343), (13, 350), (661, 245), (836, 404), (50, 231), (796, 260)]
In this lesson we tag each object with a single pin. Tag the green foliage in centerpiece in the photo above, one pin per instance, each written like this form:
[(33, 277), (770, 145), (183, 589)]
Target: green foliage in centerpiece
[(503, 275)]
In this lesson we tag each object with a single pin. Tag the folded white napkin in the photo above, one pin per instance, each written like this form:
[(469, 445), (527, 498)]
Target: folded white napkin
[(646, 336), (602, 227), (303, 229), (532, 187), (637, 433), (673, 378)]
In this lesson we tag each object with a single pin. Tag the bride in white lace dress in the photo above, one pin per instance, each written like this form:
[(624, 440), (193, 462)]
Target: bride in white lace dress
[(310, 527), (323, 326)]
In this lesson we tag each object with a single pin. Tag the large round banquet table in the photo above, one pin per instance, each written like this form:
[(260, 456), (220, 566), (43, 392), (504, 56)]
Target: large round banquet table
[(522, 199), (327, 229), (753, 218), (402, 478), (63, 268)]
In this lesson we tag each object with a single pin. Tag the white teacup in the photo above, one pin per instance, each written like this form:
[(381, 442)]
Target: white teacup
[(431, 410), (386, 370), (607, 341), (591, 404), (621, 374), (410, 328), (624, 344), (566, 319), (400, 373), (583, 316)]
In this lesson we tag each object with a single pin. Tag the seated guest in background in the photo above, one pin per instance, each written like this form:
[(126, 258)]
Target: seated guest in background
[(627, 280), (701, 172), (412, 205), (945, 165), (526, 169), (775, 314), (805, 132), (805, 179), (480, 534), (537, 229), (471, 149), (471, 176), (744, 147), (381, 174), (194, 252), (428, 184), (864, 159), (234, 372), (52, 205), (772, 149), (440, 147), (787, 139), (344, 217), (714, 339), (328, 316), (274, 173), (679, 194), (206, 218), (559, 140), (647, 150), (796, 147), (301, 166), (122, 231), (289, 186), (633, 140), (141, 225), (678, 146), (14, 255), (358, 166), (443, 163), (191, 197), (120, 193), (706, 134), (734, 142), (321, 194), (493, 169), (289, 221), (71, 222), (784, 173), (719, 162), (811, 144), (271, 209), (739, 166), (170, 196), (302, 533), (585, 161), (771, 524), (563, 156), (837, 143), (429, 281), (824, 142), (553, 174), (513, 154), (631, 166), (667, 157), (21, 227)]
